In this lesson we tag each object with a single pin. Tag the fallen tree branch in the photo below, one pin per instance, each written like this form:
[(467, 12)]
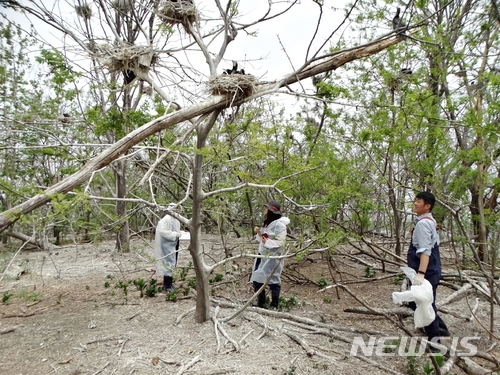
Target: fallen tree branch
[(39, 311), (453, 313), (300, 319), (223, 331), (12, 260), (187, 365), (309, 351), (183, 315), (479, 321), (471, 367), (446, 368), (404, 313), (474, 309), (238, 312), (27, 239), (452, 297), (7, 330), (321, 331)]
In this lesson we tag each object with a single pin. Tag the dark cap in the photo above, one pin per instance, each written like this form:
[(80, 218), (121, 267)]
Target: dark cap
[(274, 207)]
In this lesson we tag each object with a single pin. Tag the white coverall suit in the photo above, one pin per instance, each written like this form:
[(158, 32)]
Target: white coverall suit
[(166, 245)]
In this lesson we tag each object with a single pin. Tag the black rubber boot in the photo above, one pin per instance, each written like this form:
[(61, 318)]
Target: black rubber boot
[(275, 296), (167, 284), (261, 298)]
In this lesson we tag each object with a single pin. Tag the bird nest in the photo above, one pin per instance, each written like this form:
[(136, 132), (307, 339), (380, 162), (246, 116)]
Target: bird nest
[(125, 58), (177, 11), (234, 86), (84, 11)]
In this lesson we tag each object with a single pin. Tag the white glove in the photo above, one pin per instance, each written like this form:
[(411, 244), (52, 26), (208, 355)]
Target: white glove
[(418, 279)]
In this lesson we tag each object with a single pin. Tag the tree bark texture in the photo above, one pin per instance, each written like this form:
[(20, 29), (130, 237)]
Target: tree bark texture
[(122, 236)]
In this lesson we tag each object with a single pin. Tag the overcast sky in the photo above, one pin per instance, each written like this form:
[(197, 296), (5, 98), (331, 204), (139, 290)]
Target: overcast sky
[(295, 30)]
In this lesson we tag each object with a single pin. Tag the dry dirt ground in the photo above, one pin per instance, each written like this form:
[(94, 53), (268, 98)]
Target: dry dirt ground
[(63, 312)]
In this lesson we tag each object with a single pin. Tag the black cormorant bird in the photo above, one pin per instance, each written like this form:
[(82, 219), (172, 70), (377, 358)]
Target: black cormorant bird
[(65, 118), (233, 70), (128, 76), (397, 23)]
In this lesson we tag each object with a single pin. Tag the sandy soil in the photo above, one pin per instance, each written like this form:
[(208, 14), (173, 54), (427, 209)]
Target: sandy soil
[(63, 312)]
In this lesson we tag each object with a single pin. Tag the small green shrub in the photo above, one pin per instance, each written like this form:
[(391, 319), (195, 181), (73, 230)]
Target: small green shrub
[(411, 365), (30, 296), (6, 297), (192, 282), (217, 278), (151, 290), (287, 304), (399, 278), (171, 296), (322, 283), (123, 285), (369, 272), (140, 284), (183, 274)]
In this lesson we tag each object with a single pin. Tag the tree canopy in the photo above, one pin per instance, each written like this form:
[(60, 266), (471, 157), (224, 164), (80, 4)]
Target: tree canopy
[(131, 111)]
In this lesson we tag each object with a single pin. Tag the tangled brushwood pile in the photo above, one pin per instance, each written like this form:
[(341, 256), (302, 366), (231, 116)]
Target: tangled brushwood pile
[(234, 86), (125, 57), (177, 11)]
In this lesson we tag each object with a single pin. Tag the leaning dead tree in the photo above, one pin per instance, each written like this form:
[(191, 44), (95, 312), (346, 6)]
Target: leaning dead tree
[(333, 62)]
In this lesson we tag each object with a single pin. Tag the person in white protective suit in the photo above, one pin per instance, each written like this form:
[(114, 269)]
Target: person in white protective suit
[(166, 247), (271, 237)]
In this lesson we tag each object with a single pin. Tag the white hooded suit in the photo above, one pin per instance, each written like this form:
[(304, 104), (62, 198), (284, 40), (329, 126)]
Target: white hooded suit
[(166, 241), (274, 246)]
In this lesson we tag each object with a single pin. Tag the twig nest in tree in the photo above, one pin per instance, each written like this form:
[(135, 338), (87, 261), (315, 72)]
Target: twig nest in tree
[(234, 86), (126, 58), (84, 11), (177, 11), (147, 90)]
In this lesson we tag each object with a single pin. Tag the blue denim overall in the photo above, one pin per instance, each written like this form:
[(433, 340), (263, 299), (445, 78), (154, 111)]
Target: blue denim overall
[(433, 274)]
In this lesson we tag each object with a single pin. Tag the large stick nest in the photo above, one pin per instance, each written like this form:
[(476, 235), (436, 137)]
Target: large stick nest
[(234, 86), (125, 58), (177, 11)]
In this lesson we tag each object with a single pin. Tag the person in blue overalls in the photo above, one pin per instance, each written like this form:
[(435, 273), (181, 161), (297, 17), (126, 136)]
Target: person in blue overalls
[(423, 256)]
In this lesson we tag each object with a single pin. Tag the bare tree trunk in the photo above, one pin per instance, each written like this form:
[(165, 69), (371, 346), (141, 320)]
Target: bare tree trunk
[(195, 247), (394, 206), (390, 184), (122, 237)]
